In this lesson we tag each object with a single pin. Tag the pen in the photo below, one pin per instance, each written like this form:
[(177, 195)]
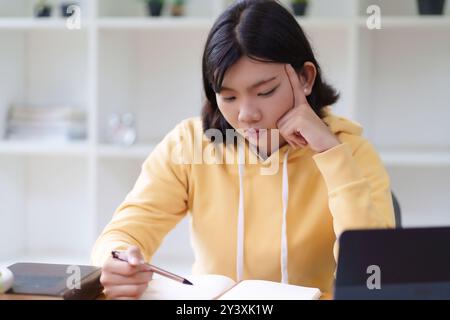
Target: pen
[(119, 256)]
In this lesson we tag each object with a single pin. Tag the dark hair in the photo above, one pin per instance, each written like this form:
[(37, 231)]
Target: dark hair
[(262, 30)]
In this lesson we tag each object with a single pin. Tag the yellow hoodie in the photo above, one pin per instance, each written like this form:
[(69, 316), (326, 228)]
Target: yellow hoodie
[(249, 225)]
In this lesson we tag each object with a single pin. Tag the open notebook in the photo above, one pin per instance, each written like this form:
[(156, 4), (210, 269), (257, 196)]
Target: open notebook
[(209, 287)]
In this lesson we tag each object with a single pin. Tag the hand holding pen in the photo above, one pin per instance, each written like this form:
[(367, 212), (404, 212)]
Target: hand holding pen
[(126, 279)]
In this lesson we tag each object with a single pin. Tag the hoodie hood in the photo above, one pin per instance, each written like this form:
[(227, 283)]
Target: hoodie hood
[(340, 125)]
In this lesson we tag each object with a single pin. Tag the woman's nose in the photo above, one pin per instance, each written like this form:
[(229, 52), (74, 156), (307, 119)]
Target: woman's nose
[(249, 114)]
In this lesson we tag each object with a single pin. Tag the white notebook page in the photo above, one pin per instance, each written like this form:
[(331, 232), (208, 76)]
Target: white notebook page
[(268, 290), (206, 287)]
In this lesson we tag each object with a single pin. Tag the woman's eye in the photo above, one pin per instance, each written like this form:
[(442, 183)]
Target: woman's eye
[(267, 93), (228, 99)]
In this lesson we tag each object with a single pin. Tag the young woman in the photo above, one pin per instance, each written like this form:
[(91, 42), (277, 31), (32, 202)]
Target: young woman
[(261, 80)]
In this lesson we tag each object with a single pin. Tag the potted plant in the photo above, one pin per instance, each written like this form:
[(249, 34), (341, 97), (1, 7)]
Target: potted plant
[(177, 8), (154, 7), (299, 7), (42, 9), (431, 6)]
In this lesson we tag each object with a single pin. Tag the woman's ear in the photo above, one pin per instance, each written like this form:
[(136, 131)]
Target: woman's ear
[(307, 77)]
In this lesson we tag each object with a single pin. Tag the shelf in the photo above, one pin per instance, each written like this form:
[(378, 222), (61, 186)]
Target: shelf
[(410, 22), (74, 149), (139, 151), (154, 23), (43, 148), (36, 23), (421, 159)]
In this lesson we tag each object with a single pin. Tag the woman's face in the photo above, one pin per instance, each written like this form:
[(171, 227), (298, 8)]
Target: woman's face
[(255, 95)]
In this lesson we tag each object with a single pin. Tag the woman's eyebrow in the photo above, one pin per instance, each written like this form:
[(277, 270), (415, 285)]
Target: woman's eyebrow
[(257, 84)]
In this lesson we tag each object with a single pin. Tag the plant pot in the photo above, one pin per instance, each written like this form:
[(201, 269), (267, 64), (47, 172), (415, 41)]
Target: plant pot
[(177, 10), (154, 9), (44, 11), (435, 7), (64, 8), (299, 8)]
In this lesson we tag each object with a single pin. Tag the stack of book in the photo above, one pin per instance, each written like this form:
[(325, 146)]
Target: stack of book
[(62, 124)]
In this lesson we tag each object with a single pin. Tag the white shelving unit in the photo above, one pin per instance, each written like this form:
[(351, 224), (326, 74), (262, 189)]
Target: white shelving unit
[(56, 198)]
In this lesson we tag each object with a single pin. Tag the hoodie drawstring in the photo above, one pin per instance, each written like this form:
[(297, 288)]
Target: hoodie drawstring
[(285, 197), (240, 226)]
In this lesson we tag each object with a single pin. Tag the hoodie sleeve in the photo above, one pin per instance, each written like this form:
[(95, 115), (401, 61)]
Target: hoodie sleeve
[(157, 202), (359, 194)]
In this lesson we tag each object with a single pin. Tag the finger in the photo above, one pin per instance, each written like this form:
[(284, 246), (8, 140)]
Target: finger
[(295, 142), (299, 141), (299, 137), (290, 142), (284, 120), (129, 291), (123, 267), (134, 256), (287, 135), (295, 137), (297, 88), (109, 279)]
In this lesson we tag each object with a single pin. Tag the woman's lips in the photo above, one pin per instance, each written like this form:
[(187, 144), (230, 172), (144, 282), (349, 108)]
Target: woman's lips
[(252, 133)]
